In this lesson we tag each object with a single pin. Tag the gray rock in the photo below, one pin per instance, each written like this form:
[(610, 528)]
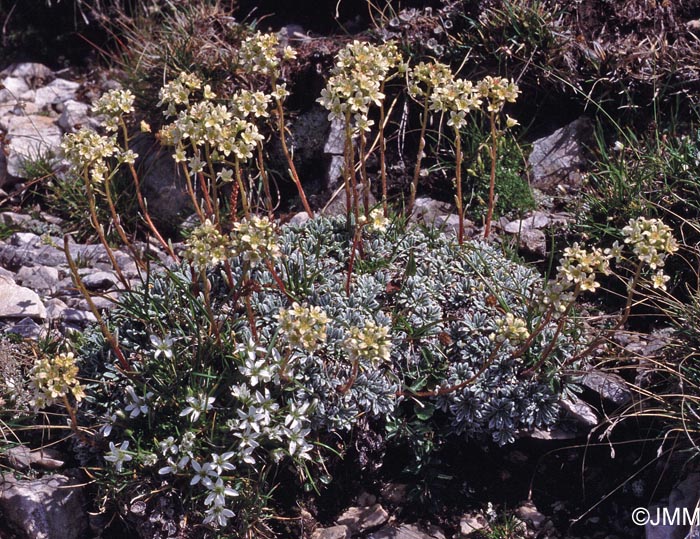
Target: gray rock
[(338, 204), (533, 241), (19, 302), (557, 160), (609, 386), (34, 74), (308, 138), (26, 249), (334, 532), (440, 214), (557, 432), (103, 302), (25, 239), (74, 115), (407, 531), (21, 458), (359, 519), (299, 218), (470, 524), (78, 317), (38, 278), (365, 499), (162, 183), (99, 280), (684, 496), (12, 88), (334, 149), (536, 220), (46, 508), (57, 91), (28, 329), (55, 308), (10, 218), (528, 513), (6, 276), (580, 410), (29, 137)]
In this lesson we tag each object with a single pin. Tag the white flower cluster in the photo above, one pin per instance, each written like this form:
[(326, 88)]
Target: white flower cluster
[(257, 370), (206, 246), (210, 474), (376, 222), (303, 327), (53, 377), (261, 53), (254, 239), (512, 329), (261, 419), (497, 91), (371, 342), (579, 266), (356, 81), (652, 241), (113, 105), (457, 96), (223, 129), (89, 152), (179, 91)]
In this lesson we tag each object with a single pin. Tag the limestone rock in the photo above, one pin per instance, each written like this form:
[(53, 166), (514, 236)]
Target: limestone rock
[(57, 91), (432, 212), (684, 496), (580, 410), (28, 329), (395, 492), (38, 278), (10, 218), (535, 220), (557, 160), (46, 508), (73, 115), (471, 524), (407, 531), (21, 458), (334, 532), (12, 88), (99, 280), (609, 386), (162, 183), (528, 513), (359, 519), (20, 302), (29, 137), (33, 73)]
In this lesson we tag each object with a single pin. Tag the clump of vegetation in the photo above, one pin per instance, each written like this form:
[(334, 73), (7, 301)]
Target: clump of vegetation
[(649, 175), (254, 354)]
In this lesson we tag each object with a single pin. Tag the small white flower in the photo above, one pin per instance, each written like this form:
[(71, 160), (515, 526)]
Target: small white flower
[(162, 346), (219, 515), (220, 463), (168, 446), (197, 405), (218, 492), (138, 405), (174, 466), (201, 472), (118, 455), (106, 429)]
